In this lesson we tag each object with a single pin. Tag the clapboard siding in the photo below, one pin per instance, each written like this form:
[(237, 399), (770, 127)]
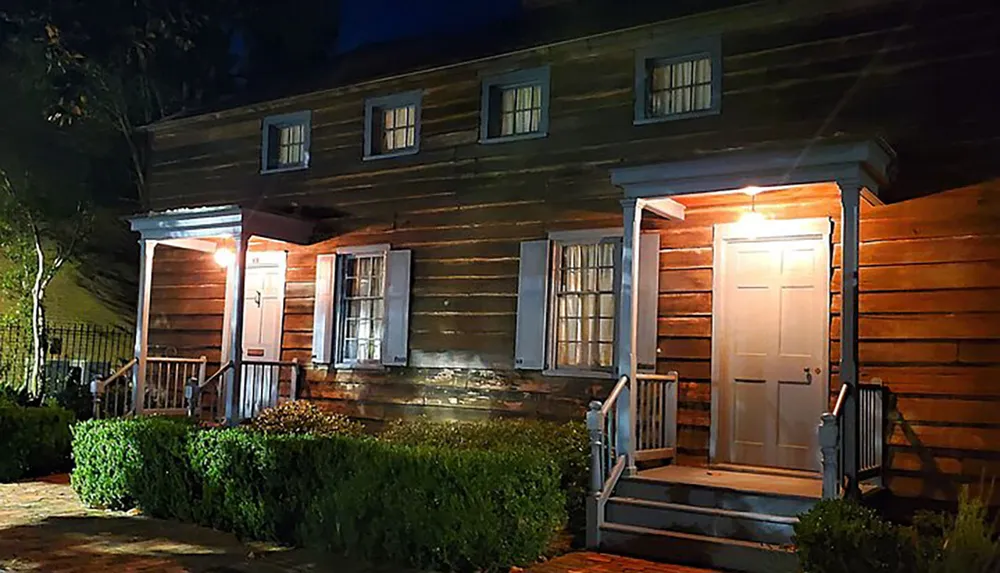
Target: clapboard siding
[(793, 74)]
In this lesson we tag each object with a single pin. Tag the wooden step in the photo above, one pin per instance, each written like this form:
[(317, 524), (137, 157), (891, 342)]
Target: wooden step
[(717, 497), (709, 521), (698, 550)]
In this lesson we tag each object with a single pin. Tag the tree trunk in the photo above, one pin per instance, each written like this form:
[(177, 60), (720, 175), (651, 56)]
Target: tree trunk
[(38, 345)]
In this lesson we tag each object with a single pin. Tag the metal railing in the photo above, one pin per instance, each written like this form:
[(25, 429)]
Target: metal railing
[(871, 437), (113, 395), (165, 391), (608, 426), (656, 416)]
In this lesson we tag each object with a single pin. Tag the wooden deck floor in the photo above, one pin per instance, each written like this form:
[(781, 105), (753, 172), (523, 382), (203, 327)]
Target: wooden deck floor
[(738, 480)]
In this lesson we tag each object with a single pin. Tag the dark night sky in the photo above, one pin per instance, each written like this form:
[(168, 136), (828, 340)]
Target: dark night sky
[(365, 22)]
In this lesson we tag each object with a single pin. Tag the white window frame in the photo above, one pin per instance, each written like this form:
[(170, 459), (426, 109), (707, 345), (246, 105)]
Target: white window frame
[(411, 98), (338, 308), (672, 53), (558, 239), (540, 76), (303, 118)]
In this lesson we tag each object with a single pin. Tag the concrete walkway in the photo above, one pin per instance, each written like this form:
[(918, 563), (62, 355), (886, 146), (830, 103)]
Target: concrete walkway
[(44, 528)]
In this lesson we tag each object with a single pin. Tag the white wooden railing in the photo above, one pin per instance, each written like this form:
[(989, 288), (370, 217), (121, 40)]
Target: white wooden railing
[(262, 380), (656, 416), (113, 395), (609, 427), (167, 379), (871, 436)]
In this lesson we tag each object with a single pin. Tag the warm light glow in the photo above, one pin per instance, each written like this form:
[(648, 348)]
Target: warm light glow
[(752, 218), (751, 191), (224, 257)]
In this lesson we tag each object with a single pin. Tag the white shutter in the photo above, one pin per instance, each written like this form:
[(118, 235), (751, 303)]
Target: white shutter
[(323, 315), (648, 292), (396, 334), (532, 303)]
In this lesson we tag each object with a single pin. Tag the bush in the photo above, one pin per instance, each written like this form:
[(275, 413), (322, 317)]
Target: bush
[(33, 440), (840, 536), (135, 462), (427, 507), (960, 543), (566, 445), (301, 417)]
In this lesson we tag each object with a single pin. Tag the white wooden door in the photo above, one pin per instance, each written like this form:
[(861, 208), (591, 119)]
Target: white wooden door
[(771, 312), (263, 313)]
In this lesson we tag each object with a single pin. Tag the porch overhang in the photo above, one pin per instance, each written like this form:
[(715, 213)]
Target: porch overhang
[(865, 164), (186, 226)]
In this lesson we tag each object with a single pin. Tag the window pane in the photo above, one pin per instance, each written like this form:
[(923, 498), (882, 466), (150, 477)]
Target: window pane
[(585, 305), (363, 308), (680, 86)]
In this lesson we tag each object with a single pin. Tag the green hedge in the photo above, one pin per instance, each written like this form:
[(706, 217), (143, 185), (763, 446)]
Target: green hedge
[(565, 444), (417, 506), (33, 440)]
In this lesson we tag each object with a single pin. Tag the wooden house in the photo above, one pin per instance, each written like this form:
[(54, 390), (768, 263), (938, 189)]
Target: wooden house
[(772, 200)]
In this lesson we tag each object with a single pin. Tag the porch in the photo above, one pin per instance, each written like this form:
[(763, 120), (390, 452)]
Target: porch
[(771, 369), (244, 374)]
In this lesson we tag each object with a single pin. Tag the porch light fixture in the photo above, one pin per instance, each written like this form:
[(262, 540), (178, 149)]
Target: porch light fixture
[(752, 217), (224, 257)]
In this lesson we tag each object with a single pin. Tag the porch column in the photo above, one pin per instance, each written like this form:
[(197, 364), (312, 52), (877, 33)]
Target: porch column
[(628, 312), (850, 199), (146, 250), (235, 284)]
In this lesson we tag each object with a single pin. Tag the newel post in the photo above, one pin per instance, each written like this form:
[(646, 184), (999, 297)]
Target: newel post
[(594, 430), (829, 442)]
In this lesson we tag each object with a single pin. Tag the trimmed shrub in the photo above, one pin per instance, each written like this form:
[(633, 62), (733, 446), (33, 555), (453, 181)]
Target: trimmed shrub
[(301, 417), (427, 507), (840, 536), (33, 440), (135, 462), (566, 445)]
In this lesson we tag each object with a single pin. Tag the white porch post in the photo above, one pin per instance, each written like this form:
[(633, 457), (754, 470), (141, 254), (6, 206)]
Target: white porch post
[(146, 250), (850, 198), (628, 312), (235, 286)]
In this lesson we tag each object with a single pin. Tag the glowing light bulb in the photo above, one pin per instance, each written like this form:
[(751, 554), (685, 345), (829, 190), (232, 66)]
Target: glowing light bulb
[(224, 257), (751, 190), (752, 218)]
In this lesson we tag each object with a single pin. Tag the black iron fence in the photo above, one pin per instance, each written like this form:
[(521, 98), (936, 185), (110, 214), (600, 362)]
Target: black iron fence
[(78, 352)]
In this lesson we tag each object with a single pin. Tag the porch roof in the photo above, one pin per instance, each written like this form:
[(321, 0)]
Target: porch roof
[(221, 221), (865, 163)]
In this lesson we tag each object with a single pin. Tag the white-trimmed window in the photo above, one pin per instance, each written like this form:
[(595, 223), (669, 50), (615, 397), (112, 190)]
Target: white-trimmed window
[(392, 125), (361, 317), (515, 106), (678, 81), (568, 303), (285, 142)]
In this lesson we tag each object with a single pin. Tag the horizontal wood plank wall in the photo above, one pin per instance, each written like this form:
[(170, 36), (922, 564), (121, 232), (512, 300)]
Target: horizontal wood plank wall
[(793, 75)]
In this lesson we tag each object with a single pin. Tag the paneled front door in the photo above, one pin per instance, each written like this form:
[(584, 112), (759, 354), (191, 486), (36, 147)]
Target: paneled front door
[(771, 316), (263, 313)]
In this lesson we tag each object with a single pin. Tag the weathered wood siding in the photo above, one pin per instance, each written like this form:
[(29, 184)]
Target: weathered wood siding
[(792, 74)]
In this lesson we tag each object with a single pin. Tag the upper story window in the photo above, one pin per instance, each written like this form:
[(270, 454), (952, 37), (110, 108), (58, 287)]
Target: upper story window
[(285, 142), (392, 125), (515, 106), (680, 81)]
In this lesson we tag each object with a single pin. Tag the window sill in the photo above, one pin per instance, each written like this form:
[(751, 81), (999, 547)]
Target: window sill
[(284, 169), (394, 154), (511, 138), (675, 117), (568, 373), (371, 366)]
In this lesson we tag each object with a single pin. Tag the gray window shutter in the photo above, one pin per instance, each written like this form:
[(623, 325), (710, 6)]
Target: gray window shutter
[(396, 336), (323, 315), (532, 303), (649, 287)]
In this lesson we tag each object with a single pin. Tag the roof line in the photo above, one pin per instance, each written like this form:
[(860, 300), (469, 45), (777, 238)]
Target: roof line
[(168, 122)]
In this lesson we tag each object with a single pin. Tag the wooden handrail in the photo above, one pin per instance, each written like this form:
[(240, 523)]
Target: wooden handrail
[(840, 400), (668, 377), (222, 370), (118, 374), (613, 397)]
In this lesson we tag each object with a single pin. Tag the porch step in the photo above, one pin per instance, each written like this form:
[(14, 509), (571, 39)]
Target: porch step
[(698, 550), (650, 489), (709, 521)]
